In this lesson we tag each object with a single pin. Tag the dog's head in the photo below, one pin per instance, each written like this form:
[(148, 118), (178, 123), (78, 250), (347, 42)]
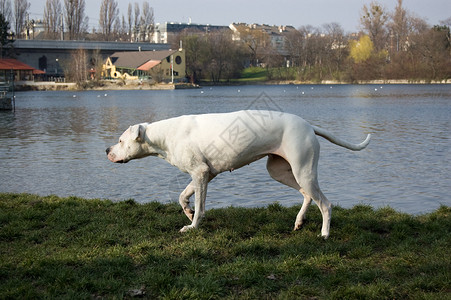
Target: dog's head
[(131, 145)]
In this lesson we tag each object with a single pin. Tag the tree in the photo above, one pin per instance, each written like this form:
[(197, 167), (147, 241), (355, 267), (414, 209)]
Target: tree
[(5, 10), (141, 23), (6, 38), (293, 45), (226, 60), (361, 50), (374, 20), (130, 20), (431, 52), (136, 18), (76, 21), (76, 69), (196, 55), (52, 18), (96, 66), (255, 40), (399, 27), (20, 13), (311, 49), (108, 17), (146, 22), (212, 56), (335, 48)]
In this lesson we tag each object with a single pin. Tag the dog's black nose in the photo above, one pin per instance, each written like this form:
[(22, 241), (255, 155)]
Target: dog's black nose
[(108, 150)]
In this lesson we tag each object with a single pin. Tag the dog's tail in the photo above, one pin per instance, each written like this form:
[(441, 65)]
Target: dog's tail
[(331, 138)]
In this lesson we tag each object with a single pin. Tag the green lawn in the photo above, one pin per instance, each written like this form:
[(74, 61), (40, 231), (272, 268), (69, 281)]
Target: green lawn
[(72, 248), (253, 74)]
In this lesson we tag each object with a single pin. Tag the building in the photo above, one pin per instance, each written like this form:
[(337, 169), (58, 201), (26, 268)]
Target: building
[(12, 69), (33, 29), (276, 34), (166, 65), (13, 72), (168, 32), (50, 56)]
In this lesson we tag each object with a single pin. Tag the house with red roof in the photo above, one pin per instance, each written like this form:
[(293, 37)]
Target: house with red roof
[(160, 65)]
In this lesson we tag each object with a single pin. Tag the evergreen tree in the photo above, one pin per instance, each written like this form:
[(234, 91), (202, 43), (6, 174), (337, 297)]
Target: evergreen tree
[(6, 38)]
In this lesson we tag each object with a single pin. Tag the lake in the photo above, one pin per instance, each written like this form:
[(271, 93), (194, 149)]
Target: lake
[(54, 143)]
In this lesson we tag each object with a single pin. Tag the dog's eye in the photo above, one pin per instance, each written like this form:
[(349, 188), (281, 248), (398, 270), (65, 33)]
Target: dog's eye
[(120, 141)]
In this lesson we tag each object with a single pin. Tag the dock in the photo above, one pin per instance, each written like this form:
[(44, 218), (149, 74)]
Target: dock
[(7, 100)]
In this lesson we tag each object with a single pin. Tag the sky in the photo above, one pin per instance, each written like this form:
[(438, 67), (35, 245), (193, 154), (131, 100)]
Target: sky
[(273, 12)]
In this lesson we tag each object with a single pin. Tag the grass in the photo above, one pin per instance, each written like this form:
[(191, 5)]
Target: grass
[(253, 74), (72, 248)]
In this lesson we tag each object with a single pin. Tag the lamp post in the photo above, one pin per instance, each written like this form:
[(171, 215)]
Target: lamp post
[(172, 68)]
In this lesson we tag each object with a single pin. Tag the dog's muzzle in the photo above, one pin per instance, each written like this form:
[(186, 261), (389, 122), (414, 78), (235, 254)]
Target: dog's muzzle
[(111, 157)]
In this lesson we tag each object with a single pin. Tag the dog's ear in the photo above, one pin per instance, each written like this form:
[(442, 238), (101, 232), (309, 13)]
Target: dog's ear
[(137, 132)]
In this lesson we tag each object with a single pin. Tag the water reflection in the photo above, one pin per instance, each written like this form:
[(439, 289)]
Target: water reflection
[(55, 143)]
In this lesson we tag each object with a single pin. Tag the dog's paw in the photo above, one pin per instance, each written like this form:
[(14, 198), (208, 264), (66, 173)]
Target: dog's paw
[(325, 237), (186, 228), (297, 226)]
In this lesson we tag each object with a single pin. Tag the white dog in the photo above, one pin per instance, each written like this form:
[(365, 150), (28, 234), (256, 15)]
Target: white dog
[(206, 145)]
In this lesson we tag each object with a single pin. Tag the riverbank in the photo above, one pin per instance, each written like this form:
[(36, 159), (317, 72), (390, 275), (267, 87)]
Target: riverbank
[(53, 247), (104, 85), (138, 85)]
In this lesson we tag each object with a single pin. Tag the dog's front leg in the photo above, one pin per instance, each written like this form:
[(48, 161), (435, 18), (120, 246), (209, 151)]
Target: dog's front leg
[(184, 200), (200, 177)]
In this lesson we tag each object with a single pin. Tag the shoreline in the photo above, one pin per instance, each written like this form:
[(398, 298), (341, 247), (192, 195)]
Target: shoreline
[(135, 85)]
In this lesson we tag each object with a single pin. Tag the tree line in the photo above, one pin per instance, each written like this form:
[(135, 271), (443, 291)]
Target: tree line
[(390, 45), (67, 19)]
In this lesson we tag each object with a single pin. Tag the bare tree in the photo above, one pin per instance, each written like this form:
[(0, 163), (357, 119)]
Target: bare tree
[(335, 48), (20, 13), (108, 16), (256, 40), (5, 10), (399, 28), (52, 18), (130, 20), (374, 21), (136, 20), (293, 45), (146, 22), (76, 69), (75, 18)]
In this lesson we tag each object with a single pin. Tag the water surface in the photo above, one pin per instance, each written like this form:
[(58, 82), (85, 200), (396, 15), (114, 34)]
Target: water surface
[(55, 144)]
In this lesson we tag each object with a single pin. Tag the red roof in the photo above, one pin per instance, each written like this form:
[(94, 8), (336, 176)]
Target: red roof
[(14, 64), (149, 65), (36, 71)]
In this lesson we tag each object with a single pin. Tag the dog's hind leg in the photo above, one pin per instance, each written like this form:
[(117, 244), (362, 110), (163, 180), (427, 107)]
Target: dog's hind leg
[(301, 214), (304, 162), (280, 170), (310, 188)]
